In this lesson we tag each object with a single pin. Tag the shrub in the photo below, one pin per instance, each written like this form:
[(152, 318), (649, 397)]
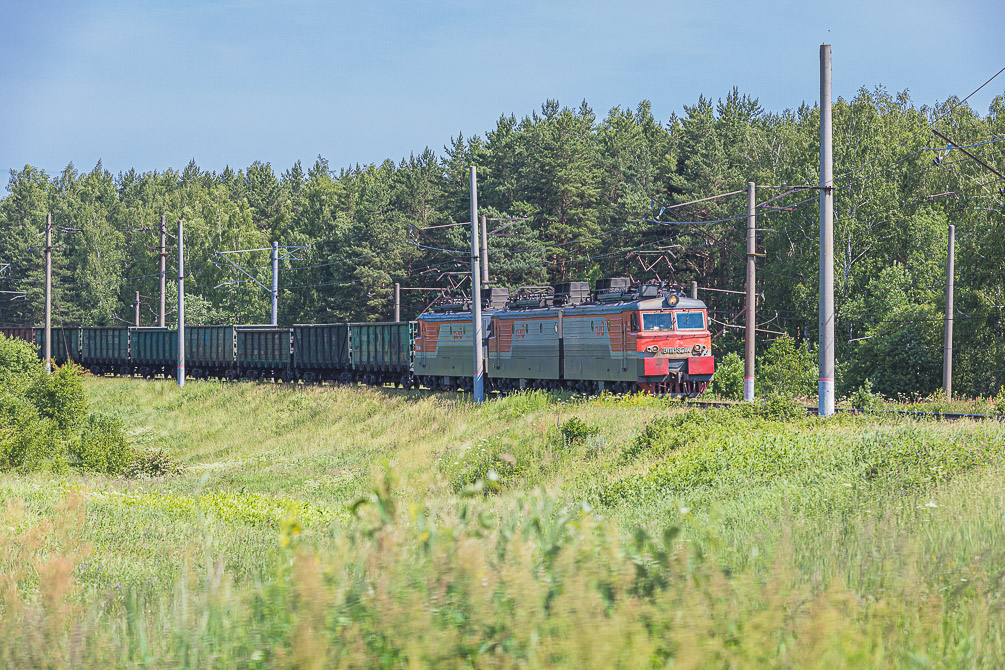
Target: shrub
[(576, 431), (903, 353), (39, 413), (102, 446), (20, 367), (508, 462), (772, 408), (153, 463), (780, 408), (864, 398), (60, 397), (728, 380), (788, 369), (26, 441)]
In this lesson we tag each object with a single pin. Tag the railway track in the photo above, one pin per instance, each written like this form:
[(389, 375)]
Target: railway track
[(813, 411)]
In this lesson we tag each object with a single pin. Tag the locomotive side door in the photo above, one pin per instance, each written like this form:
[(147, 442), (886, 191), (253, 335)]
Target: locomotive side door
[(624, 343)]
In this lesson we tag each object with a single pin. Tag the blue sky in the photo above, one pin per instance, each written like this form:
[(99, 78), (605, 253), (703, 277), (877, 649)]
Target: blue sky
[(153, 84)]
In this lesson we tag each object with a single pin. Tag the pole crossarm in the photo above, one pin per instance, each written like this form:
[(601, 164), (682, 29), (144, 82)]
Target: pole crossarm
[(954, 145), (242, 270)]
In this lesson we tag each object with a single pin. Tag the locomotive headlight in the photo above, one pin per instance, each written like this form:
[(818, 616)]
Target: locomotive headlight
[(698, 349), (672, 301), (652, 348)]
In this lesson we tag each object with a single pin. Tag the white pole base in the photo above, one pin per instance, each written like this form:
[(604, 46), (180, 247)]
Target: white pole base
[(825, 403)]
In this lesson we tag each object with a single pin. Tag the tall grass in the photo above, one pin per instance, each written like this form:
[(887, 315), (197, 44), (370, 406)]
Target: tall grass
[(362, 528)]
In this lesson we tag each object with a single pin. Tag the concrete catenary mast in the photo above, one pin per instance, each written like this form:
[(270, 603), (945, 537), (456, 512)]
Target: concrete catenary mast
[(749, 350), (476, 293), (825, 397), (181, 304)]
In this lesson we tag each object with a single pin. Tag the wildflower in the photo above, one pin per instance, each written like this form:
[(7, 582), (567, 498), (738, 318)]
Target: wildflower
[(930, 504)]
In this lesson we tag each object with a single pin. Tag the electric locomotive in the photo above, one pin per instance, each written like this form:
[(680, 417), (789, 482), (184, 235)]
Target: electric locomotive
[(621, 337)]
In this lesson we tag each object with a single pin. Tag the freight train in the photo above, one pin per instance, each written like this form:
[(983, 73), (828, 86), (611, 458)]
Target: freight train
[(620, 337)]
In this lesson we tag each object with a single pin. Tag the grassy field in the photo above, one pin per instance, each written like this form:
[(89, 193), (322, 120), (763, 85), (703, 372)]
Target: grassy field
[(352, 527)]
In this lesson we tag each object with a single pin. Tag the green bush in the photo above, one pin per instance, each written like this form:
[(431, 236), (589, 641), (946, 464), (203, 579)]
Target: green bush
[(27, 442), (903, 353), (864, 398), (102, 446), (508, 462), (779, 408), (787, 369), (728, 380), (39, 413), (60, 397), (20, 367), (575, 431), (153, 463)]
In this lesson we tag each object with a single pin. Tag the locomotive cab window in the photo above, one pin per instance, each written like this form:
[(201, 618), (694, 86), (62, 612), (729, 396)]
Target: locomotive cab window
[(690, 321), (657, 321), (635, 322)]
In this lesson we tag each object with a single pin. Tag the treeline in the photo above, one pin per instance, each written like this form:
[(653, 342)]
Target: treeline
[(573, 196)]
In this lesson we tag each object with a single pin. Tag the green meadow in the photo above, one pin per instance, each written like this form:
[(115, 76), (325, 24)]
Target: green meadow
[(331, 527)]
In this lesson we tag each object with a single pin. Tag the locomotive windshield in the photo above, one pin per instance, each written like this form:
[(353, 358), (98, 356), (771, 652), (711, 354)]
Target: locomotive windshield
[(657, 321), (690, 321)]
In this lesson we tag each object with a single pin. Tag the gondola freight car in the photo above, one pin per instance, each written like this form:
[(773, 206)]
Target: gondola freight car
[(321, 352), (210, 351), (264, 352), (65, 343), (105, 349), (153, 351), (382, 352)]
